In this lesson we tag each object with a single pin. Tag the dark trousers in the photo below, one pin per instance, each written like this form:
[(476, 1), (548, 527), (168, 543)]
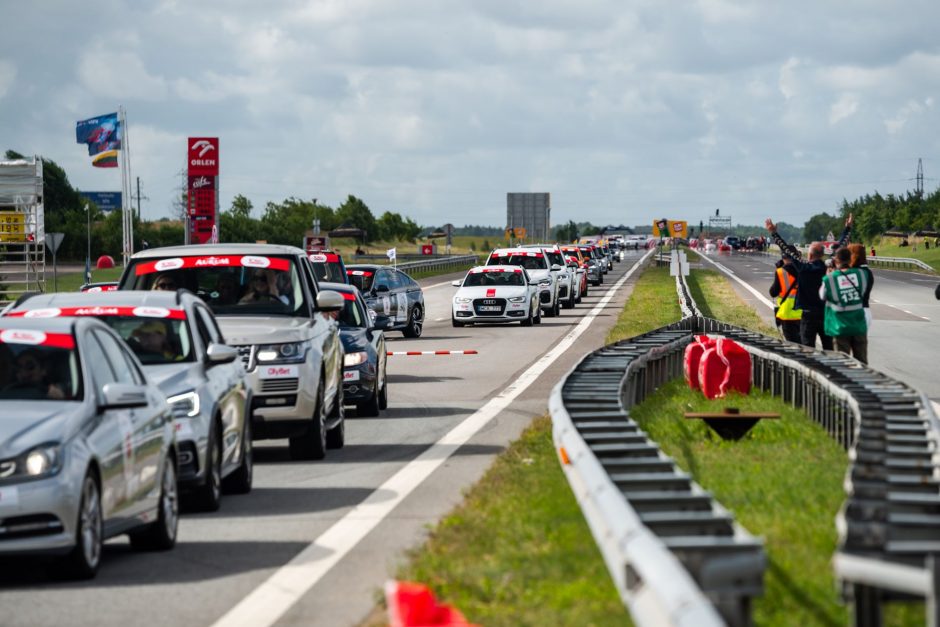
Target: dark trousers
[(854, 345), (811, 326), (790, 330)]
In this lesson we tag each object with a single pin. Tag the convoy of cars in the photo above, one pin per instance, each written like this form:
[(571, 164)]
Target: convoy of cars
[(128, 398)]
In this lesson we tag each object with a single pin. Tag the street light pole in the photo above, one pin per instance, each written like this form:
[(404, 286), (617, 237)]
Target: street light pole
[(88, 253)]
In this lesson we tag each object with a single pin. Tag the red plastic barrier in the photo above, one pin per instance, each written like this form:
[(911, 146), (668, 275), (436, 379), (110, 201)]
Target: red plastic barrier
[(693, 355), (724, 367), (105, 261), (413, 604)]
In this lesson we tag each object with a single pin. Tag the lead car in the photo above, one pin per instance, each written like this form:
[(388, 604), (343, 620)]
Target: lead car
[(269, 306), (87, 447)]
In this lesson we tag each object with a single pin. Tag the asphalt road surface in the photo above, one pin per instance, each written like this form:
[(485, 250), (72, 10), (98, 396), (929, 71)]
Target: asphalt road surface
[(315, 541), (904, 339)]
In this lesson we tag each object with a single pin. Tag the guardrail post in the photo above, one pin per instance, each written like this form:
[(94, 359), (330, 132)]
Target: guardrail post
[(933, 593), (866, 606)]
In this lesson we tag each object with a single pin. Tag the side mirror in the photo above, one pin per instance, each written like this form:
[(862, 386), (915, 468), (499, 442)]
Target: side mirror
[(555, 267), (380, 288), (328, 300), (123, 396), (221, 354), (456, 283)]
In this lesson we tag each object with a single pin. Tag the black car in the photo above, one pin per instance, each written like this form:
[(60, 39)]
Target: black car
[(733, 241), (327, 266), (395, 297), (365, 383)]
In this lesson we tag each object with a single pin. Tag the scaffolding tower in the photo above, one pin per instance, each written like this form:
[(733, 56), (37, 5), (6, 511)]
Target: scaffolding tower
[(22, 229)]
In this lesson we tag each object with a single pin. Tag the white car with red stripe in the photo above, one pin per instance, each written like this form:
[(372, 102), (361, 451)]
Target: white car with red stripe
[(496, 294), (537, 265)]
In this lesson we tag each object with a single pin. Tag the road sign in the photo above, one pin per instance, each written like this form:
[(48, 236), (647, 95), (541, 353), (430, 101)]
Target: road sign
[(515, 232), (53, 241), (12, 226)]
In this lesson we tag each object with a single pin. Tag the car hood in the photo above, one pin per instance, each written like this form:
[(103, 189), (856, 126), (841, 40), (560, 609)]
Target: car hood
[(483, 291), (242, 330), (540, 274), (25, 424), (354, 339), (174, 379)]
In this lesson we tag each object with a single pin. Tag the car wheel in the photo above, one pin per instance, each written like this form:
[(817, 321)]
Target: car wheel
[(454, 322), (415, 323), (383, 393), (528, 321), (161, 534), (556, 308), (239, 482), (208, 496), (312, 445), (336, 436), (83, 560), (538, 316), (370, 407)]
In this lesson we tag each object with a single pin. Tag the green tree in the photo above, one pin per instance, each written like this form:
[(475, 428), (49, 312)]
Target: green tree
[(286, 222), (354, 212), (236, 223), (820, 225)]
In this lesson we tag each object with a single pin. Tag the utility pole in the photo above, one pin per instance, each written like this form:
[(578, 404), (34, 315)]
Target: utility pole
[(138, 199)]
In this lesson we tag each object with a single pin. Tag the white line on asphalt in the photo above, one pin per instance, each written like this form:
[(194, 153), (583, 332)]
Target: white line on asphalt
[(431, 287), (269, 601), (760, 297)]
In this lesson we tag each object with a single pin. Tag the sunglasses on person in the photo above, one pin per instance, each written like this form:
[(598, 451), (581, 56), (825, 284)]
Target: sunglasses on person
[(165, 285)]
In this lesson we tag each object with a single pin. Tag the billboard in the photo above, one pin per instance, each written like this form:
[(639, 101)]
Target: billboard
[(203, 157), (531, 211), (202, 189), (671, 228)]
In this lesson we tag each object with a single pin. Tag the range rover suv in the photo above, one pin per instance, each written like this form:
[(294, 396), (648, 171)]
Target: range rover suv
[(268, 304)]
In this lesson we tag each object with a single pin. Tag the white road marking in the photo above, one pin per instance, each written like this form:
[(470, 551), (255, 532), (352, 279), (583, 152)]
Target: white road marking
[(269, 601), (760, 297), (440, 320), (442, 283)]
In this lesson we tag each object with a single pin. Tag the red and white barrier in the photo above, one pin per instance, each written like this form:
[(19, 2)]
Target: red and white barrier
[(412, 353)]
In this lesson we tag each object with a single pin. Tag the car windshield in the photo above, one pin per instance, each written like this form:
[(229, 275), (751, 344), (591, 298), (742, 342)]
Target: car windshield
[(232, 285), (351, 314), (328, 267), (554, 258), (154, 340), (37, 372), (529, 262), (361, 279), (493, 279)]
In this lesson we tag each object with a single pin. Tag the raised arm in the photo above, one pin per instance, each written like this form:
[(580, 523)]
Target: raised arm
[(791, 252)]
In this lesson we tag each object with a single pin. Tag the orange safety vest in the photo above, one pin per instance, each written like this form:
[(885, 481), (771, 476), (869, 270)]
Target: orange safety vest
[(786, 302)]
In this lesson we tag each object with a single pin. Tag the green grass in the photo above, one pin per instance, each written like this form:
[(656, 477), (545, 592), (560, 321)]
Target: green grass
[(517, 550), (653, 304), (716, 298), (888, 248), (70, 282)]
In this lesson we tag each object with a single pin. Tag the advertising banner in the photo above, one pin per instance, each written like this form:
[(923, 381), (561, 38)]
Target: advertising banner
[(202, 199), (203, 157), (671, 228), (12, 226)]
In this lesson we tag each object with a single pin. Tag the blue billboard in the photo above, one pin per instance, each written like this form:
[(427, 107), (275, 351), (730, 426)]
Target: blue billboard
[(106, 201)]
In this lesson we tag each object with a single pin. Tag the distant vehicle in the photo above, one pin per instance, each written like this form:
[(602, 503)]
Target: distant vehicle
[(365, 378), (496, 293), (539, 269), (396, 298), (270, 308), (179, 345), (328, 266), (104, 286), (567, 280), (87, 448), (734, 242), (581, 260)]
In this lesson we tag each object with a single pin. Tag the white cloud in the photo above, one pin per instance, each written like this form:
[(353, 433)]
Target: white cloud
[(109, 72), (846, 106)]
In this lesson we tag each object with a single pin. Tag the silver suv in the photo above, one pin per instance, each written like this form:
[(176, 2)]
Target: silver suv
[(536, 262), (181, 349), (563, 275), (269, 306)]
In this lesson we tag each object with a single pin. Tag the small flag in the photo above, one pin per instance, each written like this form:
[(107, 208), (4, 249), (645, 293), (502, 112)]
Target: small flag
[(391, 253), (101, 133), (107, 159)]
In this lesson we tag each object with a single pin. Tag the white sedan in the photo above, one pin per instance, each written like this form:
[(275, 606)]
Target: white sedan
[(496, 294)]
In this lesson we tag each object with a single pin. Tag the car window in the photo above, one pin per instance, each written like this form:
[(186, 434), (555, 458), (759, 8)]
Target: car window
[(352, 315), (494, 279), (209, 323), (229, 284), (123, 371), (361, 278), (38, 372), (396, 279), (154, 340), (382, 278), (202, 331), (98, 362), (527, 261), (555, 258)]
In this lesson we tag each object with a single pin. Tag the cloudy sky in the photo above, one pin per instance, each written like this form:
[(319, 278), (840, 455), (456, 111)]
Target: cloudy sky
[(625, 110)]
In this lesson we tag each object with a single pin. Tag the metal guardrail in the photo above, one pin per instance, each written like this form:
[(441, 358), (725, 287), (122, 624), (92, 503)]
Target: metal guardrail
[(674, 552), (892, 262), (423, 263)]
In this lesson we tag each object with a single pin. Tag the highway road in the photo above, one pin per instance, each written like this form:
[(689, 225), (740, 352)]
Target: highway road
[(314, 541), (904, 340)]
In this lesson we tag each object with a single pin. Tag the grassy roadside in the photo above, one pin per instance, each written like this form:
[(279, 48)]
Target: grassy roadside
[(716, 298)]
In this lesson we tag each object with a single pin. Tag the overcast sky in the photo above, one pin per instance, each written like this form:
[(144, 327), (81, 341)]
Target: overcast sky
[(623, 110)]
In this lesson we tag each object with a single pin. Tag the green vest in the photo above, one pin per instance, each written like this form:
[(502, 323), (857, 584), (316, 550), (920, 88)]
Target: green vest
[(845, 315)]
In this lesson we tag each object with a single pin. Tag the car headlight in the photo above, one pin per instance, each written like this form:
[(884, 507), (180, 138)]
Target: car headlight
[(545, 282), (564, 277), (354, 359), (461, 300), (185, 405), (517, 299), (294, 352), (41, 461)]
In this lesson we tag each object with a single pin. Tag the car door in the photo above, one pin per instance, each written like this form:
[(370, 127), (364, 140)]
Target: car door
[(413, 294), (109, 436), (385, 304), (146, 430), (224, 383)]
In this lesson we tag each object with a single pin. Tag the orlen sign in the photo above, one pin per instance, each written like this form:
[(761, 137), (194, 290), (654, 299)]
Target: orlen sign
[(203, 156)]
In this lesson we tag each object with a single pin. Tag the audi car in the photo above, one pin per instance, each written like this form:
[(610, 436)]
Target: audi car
[(496, 294), (539, 269), (395, 297)]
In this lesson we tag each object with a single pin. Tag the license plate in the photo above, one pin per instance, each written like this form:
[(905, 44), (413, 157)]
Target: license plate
[(9, 497), (278, 372), (351, 375), (490, 308)]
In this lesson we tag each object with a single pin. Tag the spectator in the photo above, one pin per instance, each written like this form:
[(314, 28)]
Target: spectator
[(842, 291), (783, 289), (810, 275), (872, 251), (859, 261)]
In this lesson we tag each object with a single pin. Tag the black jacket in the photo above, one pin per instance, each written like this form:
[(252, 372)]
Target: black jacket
[(809, 277)]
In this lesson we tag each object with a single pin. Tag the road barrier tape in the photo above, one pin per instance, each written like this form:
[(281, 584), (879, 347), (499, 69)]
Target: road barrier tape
[(469, 352)]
